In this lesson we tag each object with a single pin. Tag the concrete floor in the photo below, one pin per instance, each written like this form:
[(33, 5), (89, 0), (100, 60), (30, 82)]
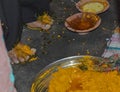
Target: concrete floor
[(60, 42)]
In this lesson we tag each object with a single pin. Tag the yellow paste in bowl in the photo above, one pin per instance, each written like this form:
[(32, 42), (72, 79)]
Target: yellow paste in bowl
[(93, 7), (73, 79)]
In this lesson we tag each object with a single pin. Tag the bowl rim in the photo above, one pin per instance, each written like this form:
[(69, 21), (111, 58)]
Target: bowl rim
[(63, 60), (82, 31)]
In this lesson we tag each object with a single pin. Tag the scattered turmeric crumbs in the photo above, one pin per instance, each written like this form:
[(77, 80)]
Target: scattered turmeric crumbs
[(73, 79), (33, 59)]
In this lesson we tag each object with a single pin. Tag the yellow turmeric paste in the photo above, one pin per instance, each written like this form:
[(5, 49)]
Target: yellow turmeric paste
[(46, 19), (94, 6), (22, 51), (73, 79)]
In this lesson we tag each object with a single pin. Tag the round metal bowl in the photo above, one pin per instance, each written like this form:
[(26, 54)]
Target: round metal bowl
[(41, 83)]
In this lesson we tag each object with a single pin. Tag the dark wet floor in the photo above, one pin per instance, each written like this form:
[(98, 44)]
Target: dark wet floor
[(60, 42)]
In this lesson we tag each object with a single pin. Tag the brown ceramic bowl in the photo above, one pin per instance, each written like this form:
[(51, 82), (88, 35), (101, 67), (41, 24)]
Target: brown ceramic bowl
[(82, 23), (94, 6)]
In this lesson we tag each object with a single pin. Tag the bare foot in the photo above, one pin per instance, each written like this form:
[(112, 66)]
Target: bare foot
[(21, 53), (38, 24)]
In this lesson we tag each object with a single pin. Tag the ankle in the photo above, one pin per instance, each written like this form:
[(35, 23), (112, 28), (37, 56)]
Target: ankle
[(32, 24)]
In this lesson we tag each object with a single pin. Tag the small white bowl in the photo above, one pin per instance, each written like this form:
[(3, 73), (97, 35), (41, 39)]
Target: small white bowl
[(81, 3)]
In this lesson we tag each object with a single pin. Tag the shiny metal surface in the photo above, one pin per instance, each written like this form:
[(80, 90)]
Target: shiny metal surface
[(41, 82)]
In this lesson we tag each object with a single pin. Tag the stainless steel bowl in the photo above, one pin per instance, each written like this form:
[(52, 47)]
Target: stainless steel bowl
[(41, 82)]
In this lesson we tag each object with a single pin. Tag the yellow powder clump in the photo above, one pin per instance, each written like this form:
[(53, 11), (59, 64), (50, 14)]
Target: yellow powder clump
[(23, 49), (25, 52), (46, 19), (73, 79)]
